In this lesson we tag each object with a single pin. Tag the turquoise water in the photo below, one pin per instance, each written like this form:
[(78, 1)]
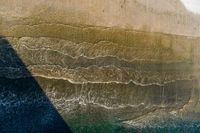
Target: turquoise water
[(163, 127), (180, 127)]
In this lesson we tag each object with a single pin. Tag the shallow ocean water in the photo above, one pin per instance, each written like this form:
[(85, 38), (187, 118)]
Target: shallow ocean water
[(168, 126)]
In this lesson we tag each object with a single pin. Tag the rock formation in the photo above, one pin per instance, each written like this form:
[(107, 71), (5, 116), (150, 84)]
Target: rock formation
[(108, 66)]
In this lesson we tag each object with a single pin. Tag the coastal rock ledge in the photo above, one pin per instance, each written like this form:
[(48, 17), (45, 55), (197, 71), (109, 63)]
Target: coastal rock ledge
[(112, 66)]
